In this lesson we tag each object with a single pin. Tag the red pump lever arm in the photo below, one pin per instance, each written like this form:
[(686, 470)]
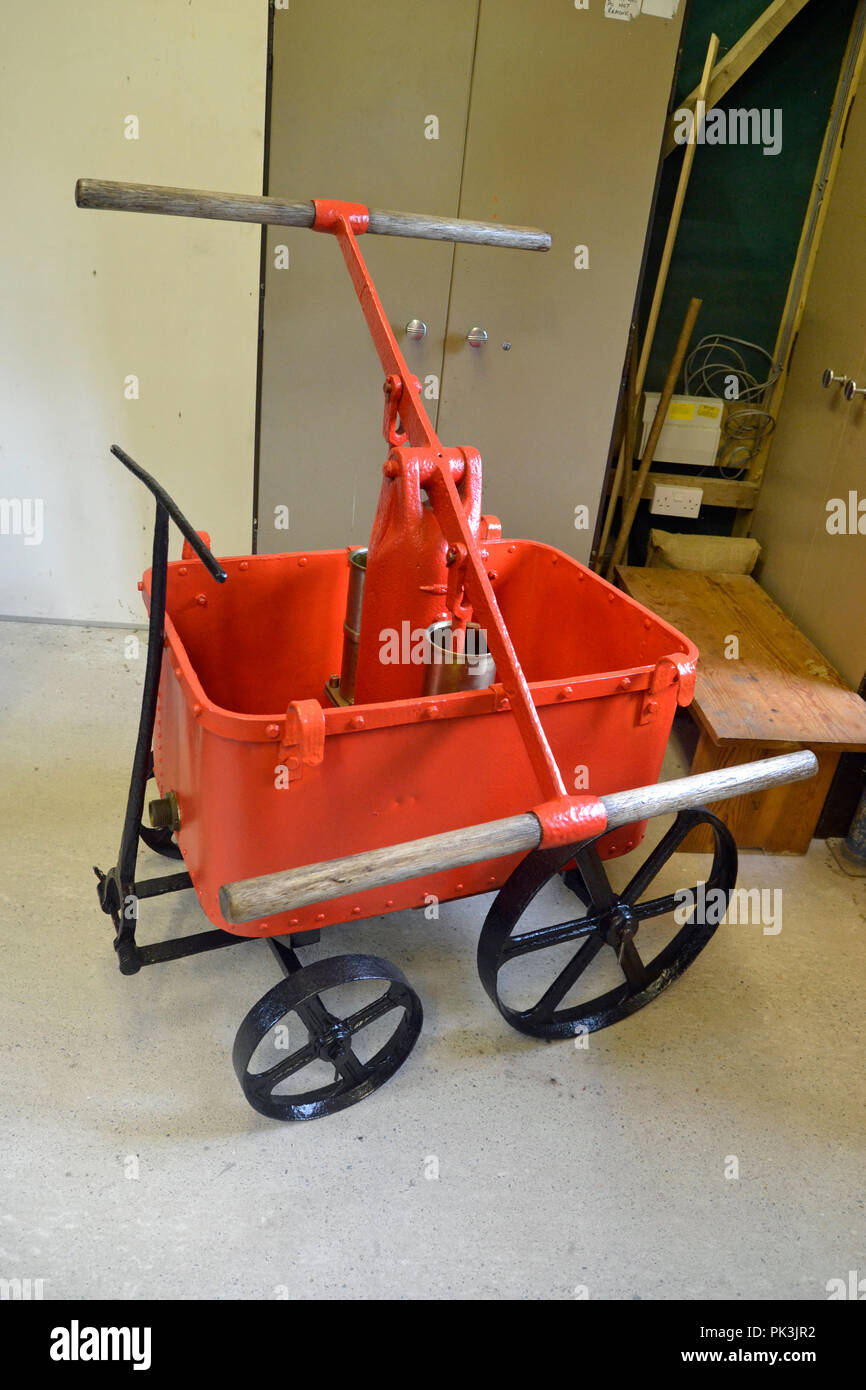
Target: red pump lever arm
[(345, 221)]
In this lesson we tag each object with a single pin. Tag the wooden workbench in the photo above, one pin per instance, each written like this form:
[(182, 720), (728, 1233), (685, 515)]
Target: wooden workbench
[(776, 694)]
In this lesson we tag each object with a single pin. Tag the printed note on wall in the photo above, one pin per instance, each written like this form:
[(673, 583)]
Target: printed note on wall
[(621, 9)]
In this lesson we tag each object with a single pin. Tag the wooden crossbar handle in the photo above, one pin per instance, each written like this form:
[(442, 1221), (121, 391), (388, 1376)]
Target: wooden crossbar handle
[(253, 898), (248, 207)]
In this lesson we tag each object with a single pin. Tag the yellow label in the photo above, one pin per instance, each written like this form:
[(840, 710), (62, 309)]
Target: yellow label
[(681, 410), (712, 412)]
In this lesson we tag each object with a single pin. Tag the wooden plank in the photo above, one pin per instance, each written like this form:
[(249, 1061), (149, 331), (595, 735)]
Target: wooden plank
[(779, 689), (779, 821), (625, 460), (718, 492), (739, 58), (673, 228)]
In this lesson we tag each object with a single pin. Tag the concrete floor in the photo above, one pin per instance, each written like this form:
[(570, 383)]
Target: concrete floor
[(559, 1169)]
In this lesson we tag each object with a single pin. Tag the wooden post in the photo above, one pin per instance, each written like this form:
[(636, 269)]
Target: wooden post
[(626, 450), (740, 57), (630, 509), (673, 225)]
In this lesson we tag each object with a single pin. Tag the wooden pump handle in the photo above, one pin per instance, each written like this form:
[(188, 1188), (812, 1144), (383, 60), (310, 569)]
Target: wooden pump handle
[(248, 207), (253, 898)]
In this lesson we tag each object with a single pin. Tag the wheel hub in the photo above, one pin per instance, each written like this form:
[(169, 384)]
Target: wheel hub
[(620, 925), (334, 1043)]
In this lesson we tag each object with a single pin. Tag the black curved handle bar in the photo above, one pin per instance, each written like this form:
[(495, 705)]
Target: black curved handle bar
[(208, 559)]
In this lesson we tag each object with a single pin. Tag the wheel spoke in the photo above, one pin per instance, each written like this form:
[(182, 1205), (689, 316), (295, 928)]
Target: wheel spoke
[(543, 937), (287, 1066), (566, 978), (632, 966), (655, 907), (658, 907), (349, 1067), (573, 880), (594, 876), (657, 858), (370, 1012), (315, 1017)]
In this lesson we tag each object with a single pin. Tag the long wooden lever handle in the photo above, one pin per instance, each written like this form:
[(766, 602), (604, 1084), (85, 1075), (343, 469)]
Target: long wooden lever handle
[(253, 898), (249, 207)]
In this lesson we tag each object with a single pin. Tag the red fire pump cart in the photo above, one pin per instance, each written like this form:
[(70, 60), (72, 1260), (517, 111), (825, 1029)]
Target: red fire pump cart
[(299, 799)]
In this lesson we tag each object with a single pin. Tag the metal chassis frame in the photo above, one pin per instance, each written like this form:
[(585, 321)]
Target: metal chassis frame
[(119, 891)]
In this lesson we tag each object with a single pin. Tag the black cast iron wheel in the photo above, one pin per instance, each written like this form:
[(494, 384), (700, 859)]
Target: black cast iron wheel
[(330, 1038), (612, 921)]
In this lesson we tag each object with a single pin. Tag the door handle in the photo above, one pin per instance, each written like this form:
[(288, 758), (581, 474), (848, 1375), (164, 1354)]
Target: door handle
[(476, 337), (828, 377), (851, 389), (416, 329)]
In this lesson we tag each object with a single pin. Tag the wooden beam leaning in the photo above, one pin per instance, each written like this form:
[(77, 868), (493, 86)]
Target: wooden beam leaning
[(637, 484), (739, 58), (623, 464), (674, 224), (712, 87), (625, 458)]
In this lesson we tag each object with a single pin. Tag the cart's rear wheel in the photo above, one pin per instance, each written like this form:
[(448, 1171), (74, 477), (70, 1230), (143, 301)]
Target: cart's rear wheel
[(298, 1006), (612, 922)]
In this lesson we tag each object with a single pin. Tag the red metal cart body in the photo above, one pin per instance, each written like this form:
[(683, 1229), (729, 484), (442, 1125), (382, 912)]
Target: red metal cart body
[(261, 790)]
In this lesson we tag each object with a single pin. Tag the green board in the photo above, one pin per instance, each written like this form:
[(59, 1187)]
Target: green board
[(744, 210)]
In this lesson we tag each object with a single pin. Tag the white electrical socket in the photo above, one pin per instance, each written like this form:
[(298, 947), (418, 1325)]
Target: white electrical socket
[(676, 501)]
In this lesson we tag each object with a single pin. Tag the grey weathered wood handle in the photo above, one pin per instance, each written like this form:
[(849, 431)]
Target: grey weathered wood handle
[(253, 898), (249, 207)]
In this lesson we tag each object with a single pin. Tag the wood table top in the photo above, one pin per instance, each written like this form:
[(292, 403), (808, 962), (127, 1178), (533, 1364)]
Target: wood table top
[(779, 689)]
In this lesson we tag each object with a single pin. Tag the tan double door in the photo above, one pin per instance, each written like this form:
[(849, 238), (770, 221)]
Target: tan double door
[(540, 114)]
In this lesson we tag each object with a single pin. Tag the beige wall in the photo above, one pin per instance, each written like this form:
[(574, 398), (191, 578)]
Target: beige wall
[(90, 297)]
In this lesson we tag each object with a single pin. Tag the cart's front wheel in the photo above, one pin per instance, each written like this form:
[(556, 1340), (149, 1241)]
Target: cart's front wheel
[(306, 1050), (611, 928)]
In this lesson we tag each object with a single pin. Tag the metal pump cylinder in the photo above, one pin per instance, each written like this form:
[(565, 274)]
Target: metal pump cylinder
[(352, 625), (456, 661)]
